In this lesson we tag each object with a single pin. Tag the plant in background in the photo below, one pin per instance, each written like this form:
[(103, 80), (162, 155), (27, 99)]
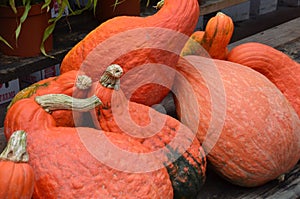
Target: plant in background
[(63, 4)]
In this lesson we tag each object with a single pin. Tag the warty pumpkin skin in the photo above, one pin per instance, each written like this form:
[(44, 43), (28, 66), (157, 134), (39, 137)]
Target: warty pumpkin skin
[(248, 128), (278, 67), (16, 175), (183, 156), (71, 83), (133, 41), (64, 166)]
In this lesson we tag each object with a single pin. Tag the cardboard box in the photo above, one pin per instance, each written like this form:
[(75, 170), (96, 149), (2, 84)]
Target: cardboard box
[(239, 12), (39, 75), (8, 90), (260, 7)]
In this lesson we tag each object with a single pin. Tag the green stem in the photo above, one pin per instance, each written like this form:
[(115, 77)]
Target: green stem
[(111, 77), (16, 148), (51, 102)]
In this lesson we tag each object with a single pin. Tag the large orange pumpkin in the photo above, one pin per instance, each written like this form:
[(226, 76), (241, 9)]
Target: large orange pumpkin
[(246, 125), (135, 41), (182, 155), (64, 159)]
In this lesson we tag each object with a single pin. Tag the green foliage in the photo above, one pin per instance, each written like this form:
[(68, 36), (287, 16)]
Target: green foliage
[(13, 4)]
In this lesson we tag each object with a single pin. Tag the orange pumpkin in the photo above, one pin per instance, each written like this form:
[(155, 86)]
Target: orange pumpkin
[(71, 83), (16, 175), (135, 41), (279, 68), (245, 124), (214, 39), (182, 155), (68, 161)]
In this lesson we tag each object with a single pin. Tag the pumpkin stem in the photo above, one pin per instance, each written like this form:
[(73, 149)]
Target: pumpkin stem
[(83, 82), (111, 76), (51, 102), (16, 148), (159, 5)]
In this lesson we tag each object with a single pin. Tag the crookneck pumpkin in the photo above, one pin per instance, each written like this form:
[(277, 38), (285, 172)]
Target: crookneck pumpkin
[(215, 38), (133, 42), (71, 83), (182, 153), (71, 162), (16, 175), (278, 67), (246, 125)]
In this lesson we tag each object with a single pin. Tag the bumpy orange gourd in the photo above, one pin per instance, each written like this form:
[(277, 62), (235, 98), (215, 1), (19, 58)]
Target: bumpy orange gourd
[(65, 161), (278, 67), (183, 155), (246, 125), (16, 175), (134, 41), (214, 39), (71, 83)]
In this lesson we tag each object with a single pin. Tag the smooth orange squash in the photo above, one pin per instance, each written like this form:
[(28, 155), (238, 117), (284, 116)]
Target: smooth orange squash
[(182, 155), (65, 160), (278, 67), (16, 175), (134, 41), (218, 32), (214, 39), (246, 125)]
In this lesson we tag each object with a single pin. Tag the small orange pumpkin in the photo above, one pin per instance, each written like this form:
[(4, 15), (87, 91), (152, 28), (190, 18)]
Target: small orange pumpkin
[(16, 175), (214, 39)]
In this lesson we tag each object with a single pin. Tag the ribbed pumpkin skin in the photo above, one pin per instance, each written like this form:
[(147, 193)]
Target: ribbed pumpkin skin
[(218, 32), (214, 40), (274, 64), (259, 130), (145, 47), (188, 172), (64, 168), (16, 180)]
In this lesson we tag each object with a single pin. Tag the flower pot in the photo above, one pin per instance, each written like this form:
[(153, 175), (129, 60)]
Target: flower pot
[(32, 31), (105, 9)]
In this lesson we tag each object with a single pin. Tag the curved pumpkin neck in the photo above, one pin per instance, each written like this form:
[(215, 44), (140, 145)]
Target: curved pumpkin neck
[(184, 13)]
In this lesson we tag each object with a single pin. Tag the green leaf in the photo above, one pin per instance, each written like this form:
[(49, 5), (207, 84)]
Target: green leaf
[(48, 31), (6, 43), (46, 4), (13, 5), (23, 18)]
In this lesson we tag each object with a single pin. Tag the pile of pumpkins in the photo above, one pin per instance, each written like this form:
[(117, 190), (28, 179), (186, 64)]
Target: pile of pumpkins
[(91, 132)]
